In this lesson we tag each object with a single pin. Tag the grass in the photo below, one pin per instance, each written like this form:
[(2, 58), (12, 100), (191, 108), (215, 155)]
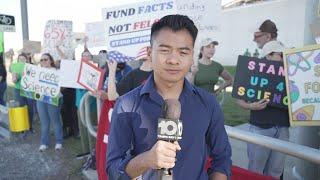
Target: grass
[(233, 114)]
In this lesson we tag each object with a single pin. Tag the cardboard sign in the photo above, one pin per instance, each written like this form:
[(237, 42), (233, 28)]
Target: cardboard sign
[(257, 79), (41, 84), (303, 84), (96, 33), (58, 33), (128, 27), (7, 23), (90, 76), (31, 46), (69, 71), (204, 13)]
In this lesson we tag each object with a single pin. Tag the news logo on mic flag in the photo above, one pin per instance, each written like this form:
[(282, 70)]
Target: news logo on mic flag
[(119, 57)]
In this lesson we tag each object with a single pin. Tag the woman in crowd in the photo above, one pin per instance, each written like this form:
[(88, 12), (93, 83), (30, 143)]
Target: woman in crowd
[(3, 79), (16, 69), (49, 113), (208, 71)]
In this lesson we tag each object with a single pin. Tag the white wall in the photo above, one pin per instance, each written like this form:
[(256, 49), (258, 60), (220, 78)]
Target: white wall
[(239, 24)]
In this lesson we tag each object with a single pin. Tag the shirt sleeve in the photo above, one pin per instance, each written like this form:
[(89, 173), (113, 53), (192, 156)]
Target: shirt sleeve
[(119, 143), (218, 143), (221, 68)]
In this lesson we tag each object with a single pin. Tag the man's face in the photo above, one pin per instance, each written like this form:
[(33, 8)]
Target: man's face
[(261, 38), (171, 55)]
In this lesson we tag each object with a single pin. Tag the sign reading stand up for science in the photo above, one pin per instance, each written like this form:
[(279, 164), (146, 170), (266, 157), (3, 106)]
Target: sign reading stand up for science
[(257, 79)]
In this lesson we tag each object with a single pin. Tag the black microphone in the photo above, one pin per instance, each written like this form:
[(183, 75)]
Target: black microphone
[(170, 127)]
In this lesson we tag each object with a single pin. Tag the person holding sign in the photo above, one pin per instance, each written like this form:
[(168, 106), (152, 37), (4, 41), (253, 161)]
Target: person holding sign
[(207, 73), (49, 113), (268, 121), (17, 69)]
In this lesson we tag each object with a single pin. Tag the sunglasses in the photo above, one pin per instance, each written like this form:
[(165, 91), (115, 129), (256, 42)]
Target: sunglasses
[(41, 60)]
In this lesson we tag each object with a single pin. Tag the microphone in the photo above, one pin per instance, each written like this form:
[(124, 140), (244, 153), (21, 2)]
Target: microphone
[(170, 127)]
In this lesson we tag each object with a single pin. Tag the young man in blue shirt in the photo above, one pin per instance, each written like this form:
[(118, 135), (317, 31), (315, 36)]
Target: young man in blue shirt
[(133, 148)]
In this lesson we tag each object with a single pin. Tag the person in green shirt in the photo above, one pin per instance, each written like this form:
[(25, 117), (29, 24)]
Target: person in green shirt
[(206, 74)]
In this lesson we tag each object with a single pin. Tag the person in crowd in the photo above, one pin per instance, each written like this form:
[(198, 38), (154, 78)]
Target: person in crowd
[(133, 148), (268, 121), (132, 80), (267, 32), (3, 80), (49, 113), (68, 108), (16, 78), (206, 74)]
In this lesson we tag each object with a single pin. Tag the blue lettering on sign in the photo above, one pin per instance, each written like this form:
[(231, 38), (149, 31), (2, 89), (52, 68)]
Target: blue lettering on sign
[(130, 41)]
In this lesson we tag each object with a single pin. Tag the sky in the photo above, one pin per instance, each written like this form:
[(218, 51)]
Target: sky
[(39, 11)]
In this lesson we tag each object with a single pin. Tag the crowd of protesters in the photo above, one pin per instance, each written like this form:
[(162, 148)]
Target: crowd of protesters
[(120, 78)]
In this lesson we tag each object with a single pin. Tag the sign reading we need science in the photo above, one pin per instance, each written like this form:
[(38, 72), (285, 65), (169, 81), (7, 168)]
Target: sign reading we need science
[(128, 27), (41, 84), (257, 79)]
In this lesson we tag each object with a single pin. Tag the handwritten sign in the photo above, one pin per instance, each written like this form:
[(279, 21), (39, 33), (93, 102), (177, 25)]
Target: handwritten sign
[(31, 46), (204, 13), (303, 84), (90, 76), (128, 27), (257, 79), (69, 71), (58, 33), (96, 33), (40, 84)]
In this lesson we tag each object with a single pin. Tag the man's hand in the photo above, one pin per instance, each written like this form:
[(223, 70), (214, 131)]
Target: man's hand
[(162, 155), (259, 105)]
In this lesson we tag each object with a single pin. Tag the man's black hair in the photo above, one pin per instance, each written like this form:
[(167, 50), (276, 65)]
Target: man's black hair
[(175, 22)]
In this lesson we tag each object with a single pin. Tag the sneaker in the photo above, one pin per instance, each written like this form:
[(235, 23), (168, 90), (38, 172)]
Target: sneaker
[(43, 148), (58, 147)]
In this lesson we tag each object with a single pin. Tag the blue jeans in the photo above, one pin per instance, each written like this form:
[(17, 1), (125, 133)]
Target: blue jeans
[(23, 101), (49, 113), (3, 87), (263, 160)]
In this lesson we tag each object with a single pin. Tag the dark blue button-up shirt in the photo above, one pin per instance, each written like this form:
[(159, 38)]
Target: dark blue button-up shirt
[(134, 126)]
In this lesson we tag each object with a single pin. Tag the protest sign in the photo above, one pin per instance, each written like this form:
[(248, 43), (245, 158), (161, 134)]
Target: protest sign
[(96, 33), (58, 33), (204, 13), (90, 76), (128, 27), (41, 84), (302, 67), (31, 46), (69, 71), (257, 79)]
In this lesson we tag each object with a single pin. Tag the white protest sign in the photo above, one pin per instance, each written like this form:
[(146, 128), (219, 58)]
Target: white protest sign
[(129, 27), (41, 84), (90, 76), (69, 70), (58, 33), (204, 13), (96, 33)]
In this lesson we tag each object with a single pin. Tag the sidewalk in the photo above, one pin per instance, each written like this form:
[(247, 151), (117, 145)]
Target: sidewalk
[(20, 158)]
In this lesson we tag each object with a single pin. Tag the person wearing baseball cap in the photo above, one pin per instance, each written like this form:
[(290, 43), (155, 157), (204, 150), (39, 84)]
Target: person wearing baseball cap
[(268, 121), (206, 74), (267, 32)]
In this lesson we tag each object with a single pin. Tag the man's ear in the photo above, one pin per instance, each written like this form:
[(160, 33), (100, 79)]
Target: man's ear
[(149, 49)]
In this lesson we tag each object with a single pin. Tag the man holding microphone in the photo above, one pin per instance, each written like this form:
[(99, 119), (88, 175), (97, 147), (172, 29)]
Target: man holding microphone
[(135, 148)]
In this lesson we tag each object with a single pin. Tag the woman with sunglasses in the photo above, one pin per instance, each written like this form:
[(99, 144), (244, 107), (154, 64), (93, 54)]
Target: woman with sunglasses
[(17, 69), (48, 112)]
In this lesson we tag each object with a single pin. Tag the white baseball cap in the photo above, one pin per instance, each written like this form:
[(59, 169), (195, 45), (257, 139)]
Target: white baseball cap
[(207, 41), (272, 46)]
